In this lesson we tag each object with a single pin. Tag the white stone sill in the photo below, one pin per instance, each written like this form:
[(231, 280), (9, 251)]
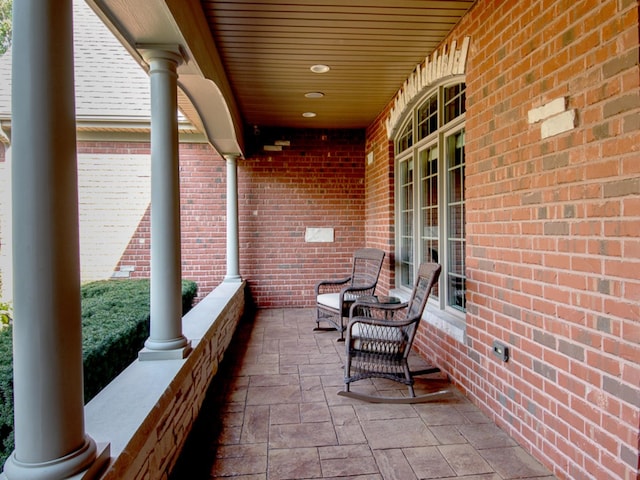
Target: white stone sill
[(120, 409)]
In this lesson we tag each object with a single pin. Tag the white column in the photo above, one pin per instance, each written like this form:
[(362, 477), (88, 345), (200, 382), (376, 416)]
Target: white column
[(233, 259), (165, 340), (50, 440)]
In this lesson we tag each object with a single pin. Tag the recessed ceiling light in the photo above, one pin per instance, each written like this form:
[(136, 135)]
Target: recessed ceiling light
[(320, 68), (314, 94), (309, 114)]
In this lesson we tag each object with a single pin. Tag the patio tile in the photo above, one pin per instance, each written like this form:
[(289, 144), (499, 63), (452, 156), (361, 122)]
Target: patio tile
[(397, 433), (349, 466), (314, 412), (428, 462), (344, 451), (270, 346), (373, 411), (440, 414), (321, 368), (273, 413), (302, 435), (294, 359), (514, 462), (464, 460), (261, 476), (259, 369), (274, 395), (229, 435), (347, 460), (272, 380), (282, 414), (237, 395), (350, 434), (347, 426), (356, 477), (447, 435), (231, 466), (311, 389), (288, 369), (335, 380), (328, 357), (293, 464), (393, 465), (486, 435), (255, 428), (236, 451), (474, 415)]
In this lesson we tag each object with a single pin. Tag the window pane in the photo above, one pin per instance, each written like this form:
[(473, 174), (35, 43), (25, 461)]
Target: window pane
[(454, 101), (406, 222), (455, 278), (405, 138), (428, 117), (429, 206), (455, 269)]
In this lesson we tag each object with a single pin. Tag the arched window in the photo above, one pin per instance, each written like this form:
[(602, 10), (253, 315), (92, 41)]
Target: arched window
[(430, 203)]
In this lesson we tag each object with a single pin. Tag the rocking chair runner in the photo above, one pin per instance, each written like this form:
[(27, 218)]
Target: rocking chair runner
[(335, 297), (379, 340)]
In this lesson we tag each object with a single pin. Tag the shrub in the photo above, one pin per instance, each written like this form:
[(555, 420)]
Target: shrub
[(115, 324)]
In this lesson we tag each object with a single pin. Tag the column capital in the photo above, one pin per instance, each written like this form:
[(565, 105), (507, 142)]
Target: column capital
[(172, 53), (231, 157)]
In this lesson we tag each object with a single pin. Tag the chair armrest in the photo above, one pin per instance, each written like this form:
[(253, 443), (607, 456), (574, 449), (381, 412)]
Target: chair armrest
[(381, 322), (331, 286), (371, 309), (378, 330), (352, 292)]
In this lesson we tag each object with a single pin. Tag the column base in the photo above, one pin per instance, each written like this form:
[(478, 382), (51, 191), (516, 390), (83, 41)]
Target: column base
[(232, 279), (100, 464), (175, 354), (86, 463)]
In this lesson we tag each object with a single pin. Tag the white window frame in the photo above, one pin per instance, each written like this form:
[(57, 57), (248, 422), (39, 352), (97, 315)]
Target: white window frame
[(439, 301)]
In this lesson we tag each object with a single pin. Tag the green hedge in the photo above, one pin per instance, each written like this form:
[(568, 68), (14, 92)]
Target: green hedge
[(115, 324)]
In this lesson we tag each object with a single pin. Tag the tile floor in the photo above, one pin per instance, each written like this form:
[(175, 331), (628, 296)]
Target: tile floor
[(273, 413)]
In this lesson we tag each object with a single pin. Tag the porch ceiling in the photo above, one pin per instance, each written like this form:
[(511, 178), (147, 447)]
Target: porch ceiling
[(249, 60)]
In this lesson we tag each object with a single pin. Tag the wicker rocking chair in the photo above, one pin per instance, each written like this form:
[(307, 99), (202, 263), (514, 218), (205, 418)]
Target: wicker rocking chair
[(379, 340), (335, 297)]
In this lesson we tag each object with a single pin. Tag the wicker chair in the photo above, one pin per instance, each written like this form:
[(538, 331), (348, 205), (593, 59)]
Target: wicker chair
[(335, 297), (379, 339)]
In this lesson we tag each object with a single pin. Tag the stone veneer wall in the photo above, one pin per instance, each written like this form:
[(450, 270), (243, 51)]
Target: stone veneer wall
[(147, 412)]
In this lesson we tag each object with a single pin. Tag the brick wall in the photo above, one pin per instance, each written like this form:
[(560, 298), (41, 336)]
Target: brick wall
[(203, 221), (379, 199), (553, 247), (316, 182)]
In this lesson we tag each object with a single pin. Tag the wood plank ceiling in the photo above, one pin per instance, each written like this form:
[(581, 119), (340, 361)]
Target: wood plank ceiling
[(371, 46)]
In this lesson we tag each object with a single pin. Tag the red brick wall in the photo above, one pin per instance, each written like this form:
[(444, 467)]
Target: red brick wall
[(317, 181), (379, 199), (553, 247), (203, 220)]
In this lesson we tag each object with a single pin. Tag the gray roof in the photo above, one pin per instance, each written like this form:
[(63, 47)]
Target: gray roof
[(110, 85)]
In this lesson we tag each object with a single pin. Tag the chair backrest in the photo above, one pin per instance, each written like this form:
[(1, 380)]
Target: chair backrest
[(428, 274), (367, 263)]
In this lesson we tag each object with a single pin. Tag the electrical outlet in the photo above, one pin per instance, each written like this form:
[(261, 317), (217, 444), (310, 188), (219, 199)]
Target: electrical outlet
[(500, 350)]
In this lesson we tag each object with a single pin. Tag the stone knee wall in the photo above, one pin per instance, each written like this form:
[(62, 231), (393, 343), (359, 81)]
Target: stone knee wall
[(153, 449)]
